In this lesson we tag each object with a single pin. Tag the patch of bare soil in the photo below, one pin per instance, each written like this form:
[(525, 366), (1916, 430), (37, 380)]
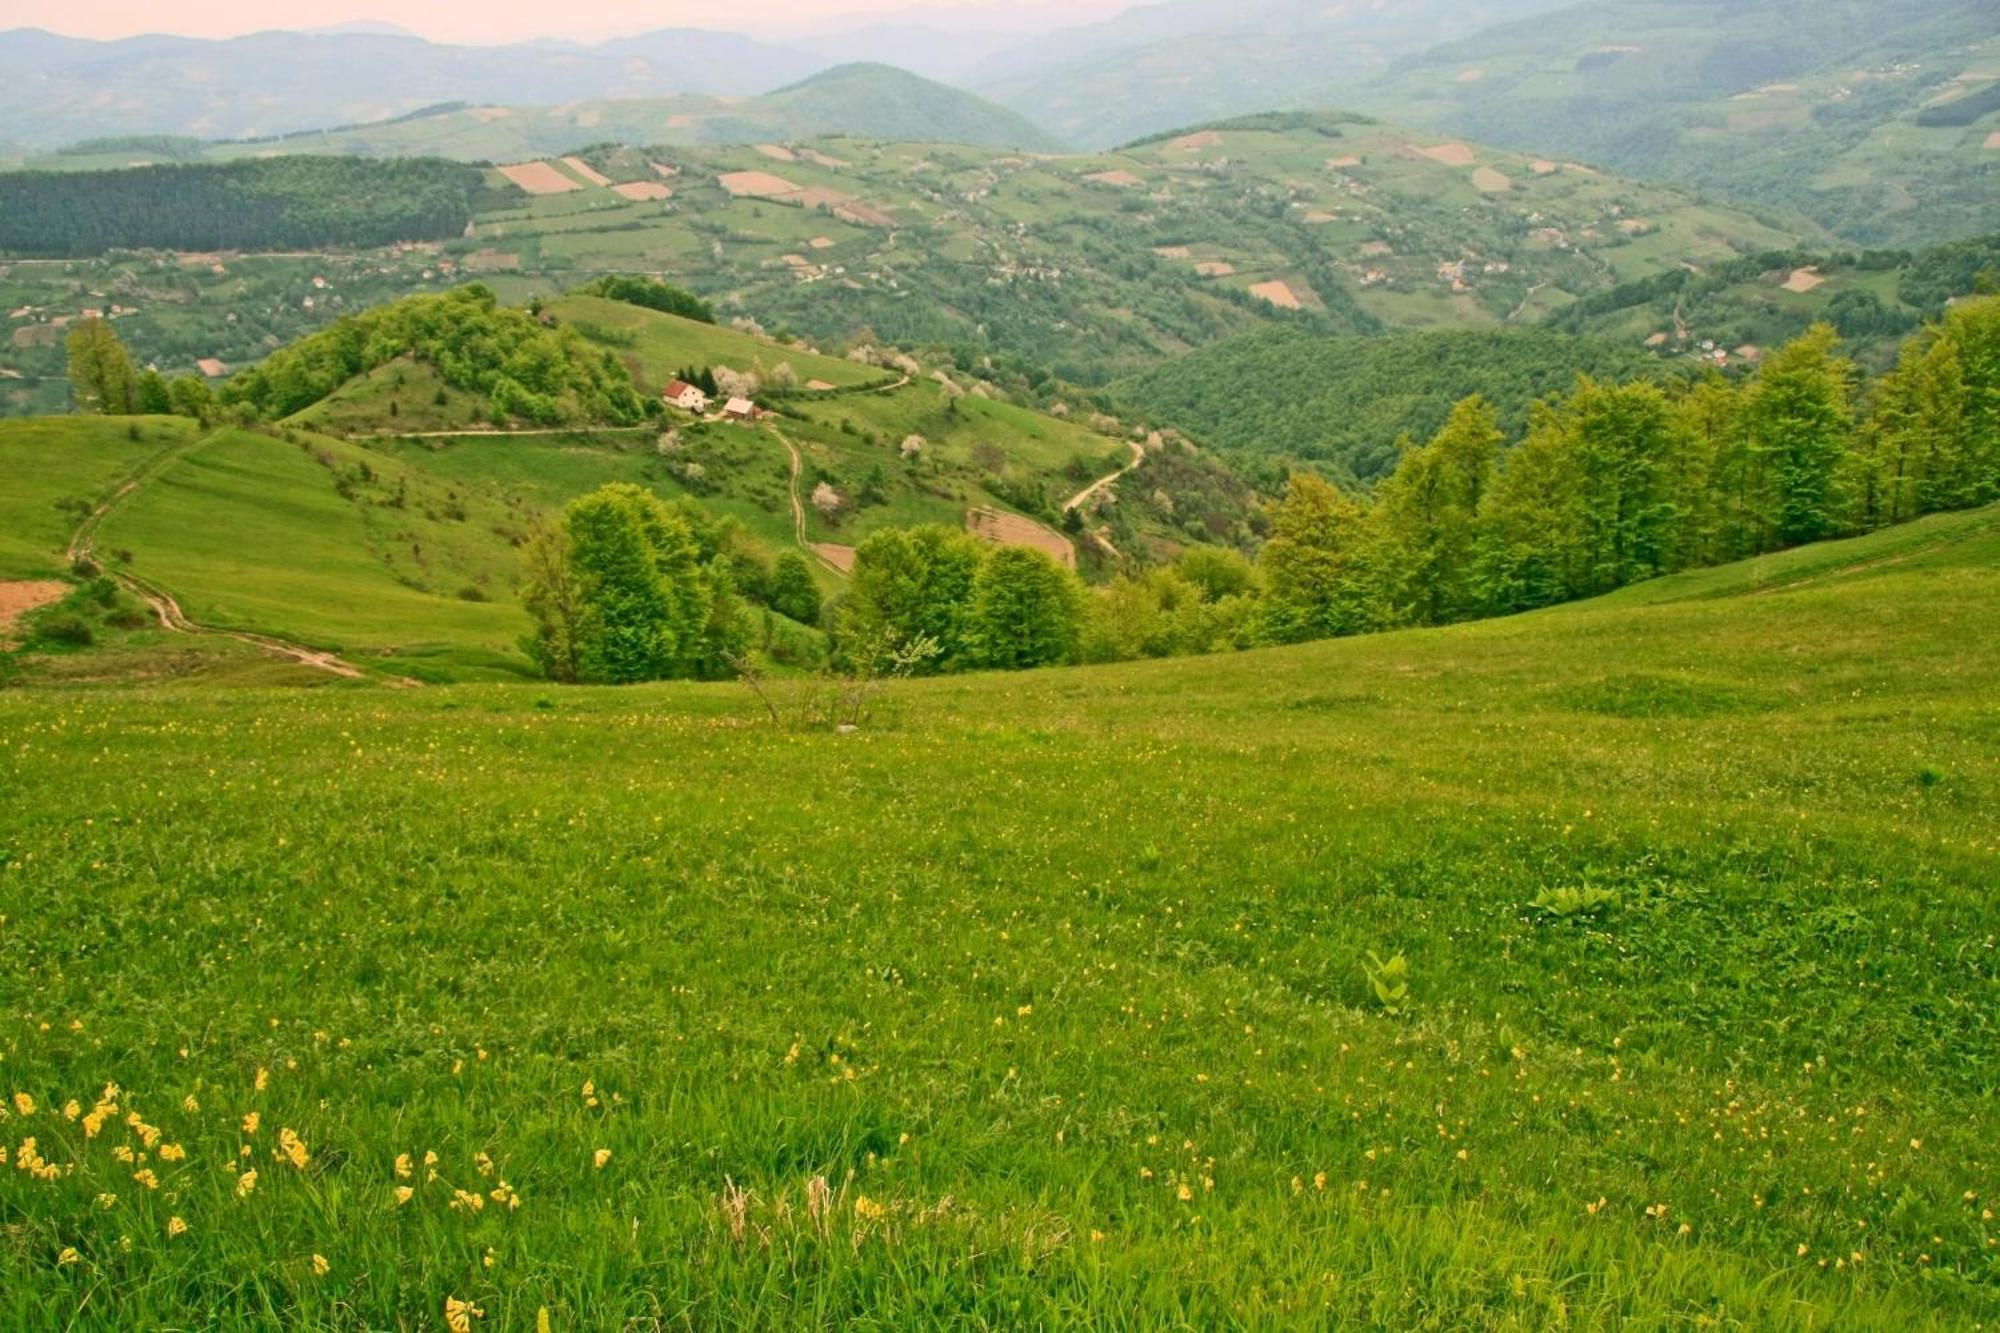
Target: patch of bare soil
[(1006, 529), (22, 596)]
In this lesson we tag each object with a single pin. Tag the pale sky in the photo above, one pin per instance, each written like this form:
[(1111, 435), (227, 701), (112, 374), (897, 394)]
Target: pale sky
[(494, 21)]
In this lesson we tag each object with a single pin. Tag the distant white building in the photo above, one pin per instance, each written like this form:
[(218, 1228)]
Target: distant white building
[(685, 396)]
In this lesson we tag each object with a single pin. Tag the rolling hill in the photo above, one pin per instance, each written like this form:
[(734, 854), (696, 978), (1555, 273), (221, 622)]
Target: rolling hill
[(1653, 925), (380, 519), (1089, 267), (1876, 117)]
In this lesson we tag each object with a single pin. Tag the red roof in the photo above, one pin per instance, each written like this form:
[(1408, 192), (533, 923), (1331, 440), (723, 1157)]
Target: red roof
[(676, 388)]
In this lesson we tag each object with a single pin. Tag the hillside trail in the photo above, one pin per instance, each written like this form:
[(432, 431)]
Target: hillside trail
[(508, 434), (1084, 495), (82, 546), (814, 549)]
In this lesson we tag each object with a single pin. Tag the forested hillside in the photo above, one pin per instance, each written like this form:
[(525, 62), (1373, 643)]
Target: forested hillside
[(1345, 401), (521, 369), (262, 204), (1873, 298)]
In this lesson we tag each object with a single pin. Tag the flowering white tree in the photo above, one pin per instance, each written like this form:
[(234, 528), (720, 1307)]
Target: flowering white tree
[(826, 499), (913, 445)]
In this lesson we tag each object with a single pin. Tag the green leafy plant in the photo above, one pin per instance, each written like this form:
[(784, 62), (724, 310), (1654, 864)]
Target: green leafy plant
[(1389, 978)]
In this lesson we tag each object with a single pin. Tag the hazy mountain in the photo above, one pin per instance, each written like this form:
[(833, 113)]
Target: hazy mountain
[(1874, 116), (866, 101), (1161, 65), (59, 89)]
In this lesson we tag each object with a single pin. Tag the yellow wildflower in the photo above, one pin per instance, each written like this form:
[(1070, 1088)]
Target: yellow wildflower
[(172, 1152), (107, 1201), (68, 1255), (292, 1148), (71, 1110), (263, 1078), (403, 1195), (144, 1175), (246, 1183), (189, 1104), (403, 1168), (458, 1315), (320, 1266), (24, 1103), (867, 1209), (1185, 1193), (600, 1157), (251, 1121), (176, 1227)]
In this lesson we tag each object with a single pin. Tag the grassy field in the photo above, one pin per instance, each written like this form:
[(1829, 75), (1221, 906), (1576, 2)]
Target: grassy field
[(1041, 1000)]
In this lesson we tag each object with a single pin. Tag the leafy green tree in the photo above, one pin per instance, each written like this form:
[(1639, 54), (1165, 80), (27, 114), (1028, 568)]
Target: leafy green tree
[(911, 584), (151, 397), (1427, 511), (1216, 571), (1319, 574), (1027, 610), (1620, 439), (100, 370), (1530, 545), (1798, 415), (1705, 438), (190, 396), (794, 591), (620, 595)]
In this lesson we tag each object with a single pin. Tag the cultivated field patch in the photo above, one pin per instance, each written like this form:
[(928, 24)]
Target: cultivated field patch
[(585, 170), (1803, 280), (1451, 154), (539, 178), (1488, 181), (21, 596), (777, 152), (1123, 180), (639, 191), (1005, 529), (1279, 294), (756, 185)]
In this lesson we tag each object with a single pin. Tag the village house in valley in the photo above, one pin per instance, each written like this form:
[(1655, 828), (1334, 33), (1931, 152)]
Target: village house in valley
[(740, 409), (687, 397)]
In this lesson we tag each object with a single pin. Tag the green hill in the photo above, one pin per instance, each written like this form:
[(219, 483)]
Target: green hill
[(1089, 267), (1596, 966), (1872, 116)]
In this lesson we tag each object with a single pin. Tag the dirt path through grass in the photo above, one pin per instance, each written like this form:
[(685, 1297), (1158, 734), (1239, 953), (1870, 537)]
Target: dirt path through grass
[(839, 559), (1082, 496), (82, 546)]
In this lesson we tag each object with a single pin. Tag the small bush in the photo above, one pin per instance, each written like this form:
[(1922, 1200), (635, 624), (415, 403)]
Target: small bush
[(66, 627), (469, 593)]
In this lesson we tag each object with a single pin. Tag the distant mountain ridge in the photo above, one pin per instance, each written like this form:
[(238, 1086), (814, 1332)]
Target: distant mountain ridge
[(860, 100), (52, 88)]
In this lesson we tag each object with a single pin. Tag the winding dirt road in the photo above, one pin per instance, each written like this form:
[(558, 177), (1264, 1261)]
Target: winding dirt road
[(1083, 496), (839, 559)]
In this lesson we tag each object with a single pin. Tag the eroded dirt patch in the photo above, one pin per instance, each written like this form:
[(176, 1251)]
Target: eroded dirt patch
[(22, 596)]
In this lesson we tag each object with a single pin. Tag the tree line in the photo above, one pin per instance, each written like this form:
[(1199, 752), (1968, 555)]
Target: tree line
[(301, 202), (1606, 485)]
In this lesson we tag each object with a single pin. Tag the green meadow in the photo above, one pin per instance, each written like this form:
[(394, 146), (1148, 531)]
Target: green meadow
[(1625, 965)]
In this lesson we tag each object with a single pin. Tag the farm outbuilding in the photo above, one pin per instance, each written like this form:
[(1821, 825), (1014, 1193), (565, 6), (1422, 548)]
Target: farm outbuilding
[(740, 409)]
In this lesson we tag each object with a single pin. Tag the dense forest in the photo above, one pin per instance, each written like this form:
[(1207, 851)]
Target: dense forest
[(524, 369), (278, 203), (1344, 401)]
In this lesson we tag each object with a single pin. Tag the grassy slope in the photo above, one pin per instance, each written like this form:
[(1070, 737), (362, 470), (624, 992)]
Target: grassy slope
[(249, 532), (661, 345), (1029, 954), (57, 469)]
